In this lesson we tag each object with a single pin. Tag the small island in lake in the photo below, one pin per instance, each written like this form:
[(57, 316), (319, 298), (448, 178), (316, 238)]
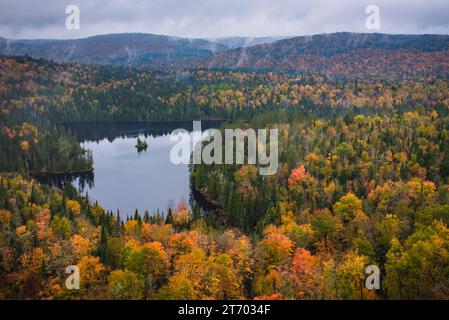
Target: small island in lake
[(141, 145)]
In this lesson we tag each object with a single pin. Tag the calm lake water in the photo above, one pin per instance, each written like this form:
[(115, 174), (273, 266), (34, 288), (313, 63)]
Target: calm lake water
[(125, 179)]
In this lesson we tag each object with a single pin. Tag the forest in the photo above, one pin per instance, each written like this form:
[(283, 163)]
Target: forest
[(363, 180)]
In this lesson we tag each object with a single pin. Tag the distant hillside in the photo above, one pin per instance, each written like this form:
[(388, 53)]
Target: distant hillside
[(349, 54), (126, 48), (337, 54)]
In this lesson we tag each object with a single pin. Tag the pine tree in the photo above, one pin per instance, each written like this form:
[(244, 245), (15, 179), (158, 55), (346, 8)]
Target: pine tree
[(146, 217), (103, 246), (169, 219)]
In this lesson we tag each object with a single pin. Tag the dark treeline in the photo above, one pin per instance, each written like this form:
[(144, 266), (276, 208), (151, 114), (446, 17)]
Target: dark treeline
[(96, 131)]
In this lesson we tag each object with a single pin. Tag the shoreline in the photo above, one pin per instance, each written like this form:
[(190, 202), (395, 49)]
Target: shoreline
[(60, 173), (142, 121)]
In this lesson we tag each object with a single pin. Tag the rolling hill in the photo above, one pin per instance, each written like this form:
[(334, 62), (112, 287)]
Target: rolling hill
[(337, 54), (345, 54), (127, 48)]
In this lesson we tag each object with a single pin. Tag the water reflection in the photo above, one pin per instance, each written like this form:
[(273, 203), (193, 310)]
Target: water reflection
[(97, 131), (84, 180), (125, 180)]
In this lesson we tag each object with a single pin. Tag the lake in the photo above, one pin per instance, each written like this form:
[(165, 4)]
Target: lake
[(125, 179)]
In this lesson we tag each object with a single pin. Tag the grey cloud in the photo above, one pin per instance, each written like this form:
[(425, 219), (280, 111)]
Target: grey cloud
[(216, 18)]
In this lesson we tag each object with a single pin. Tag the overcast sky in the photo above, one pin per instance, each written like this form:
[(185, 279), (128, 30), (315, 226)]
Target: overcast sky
[(217, 18)]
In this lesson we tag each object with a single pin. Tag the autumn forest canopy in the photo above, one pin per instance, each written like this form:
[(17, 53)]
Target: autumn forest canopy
[(363, 175)]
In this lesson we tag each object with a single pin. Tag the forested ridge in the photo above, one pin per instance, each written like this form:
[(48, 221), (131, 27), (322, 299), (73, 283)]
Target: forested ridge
[(363, 180), (341, 54), (135, 49)]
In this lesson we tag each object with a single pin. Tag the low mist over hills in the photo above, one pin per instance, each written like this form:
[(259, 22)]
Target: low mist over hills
[(126, 48), (242, 42), (137, 49), (343, 54)]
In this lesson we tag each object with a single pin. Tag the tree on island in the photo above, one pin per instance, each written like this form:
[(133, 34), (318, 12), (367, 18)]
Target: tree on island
[(141, 145)]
